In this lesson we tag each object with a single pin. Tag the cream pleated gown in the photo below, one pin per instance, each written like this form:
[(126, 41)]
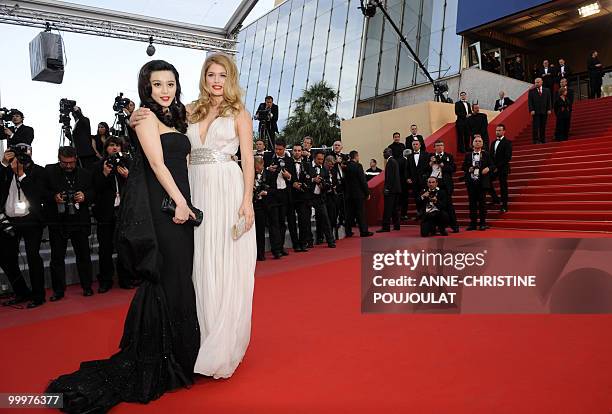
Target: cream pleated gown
[(223, 268)]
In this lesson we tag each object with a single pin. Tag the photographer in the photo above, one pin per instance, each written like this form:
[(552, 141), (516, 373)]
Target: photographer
[(267, 115), (435, 215), (442, 166), (321, 181), (18, 133), (339, 168), (262, 205), (109, 177), (81, 139), (300, 202), (417, 166), (281, 180), (21, 193), (476, 165), (68, 192)]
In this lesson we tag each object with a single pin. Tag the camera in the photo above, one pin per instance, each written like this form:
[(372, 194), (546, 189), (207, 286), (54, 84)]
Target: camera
[(66, 106), (5, 225), (118, 159), (304, 179), (259, 186), (21, 153), (264, 115), (6, 115), (120, 103), (69, 206)]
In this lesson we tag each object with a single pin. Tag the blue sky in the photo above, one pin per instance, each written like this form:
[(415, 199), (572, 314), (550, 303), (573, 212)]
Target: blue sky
[(98, 69)]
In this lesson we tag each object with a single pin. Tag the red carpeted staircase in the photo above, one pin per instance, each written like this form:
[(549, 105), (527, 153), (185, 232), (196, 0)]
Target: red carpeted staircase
[(557, 185)]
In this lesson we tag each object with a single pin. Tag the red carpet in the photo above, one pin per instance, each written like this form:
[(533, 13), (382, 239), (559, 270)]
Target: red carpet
[(558, 185), (312, 351)]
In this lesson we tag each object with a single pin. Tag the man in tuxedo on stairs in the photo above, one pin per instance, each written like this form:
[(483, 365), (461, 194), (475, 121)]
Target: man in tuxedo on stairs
[(479, 124), (462, 110), (503, 102), (501, 154), (540, 106), (414, 136), (476, 168), (418, 166)]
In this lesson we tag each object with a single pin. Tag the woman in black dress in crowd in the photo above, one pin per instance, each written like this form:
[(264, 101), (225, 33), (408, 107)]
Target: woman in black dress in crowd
[(563, 112), (161, 335), (98, 140)]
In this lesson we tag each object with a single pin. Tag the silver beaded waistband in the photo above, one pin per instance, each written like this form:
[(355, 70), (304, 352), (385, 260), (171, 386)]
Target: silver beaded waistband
[(208, 156)]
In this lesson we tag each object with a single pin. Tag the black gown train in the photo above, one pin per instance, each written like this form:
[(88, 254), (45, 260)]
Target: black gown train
[(161, 335)]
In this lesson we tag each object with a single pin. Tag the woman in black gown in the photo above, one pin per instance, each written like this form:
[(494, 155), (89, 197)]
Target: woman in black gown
[(161, 335)]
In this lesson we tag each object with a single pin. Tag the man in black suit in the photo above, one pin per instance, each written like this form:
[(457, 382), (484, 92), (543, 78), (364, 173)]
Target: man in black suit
[(479, 124), (300, 201), (281, 179), (21, 193), (267, 114), (68, 193), (548, 75), (503, 102), (340, 159), (397, 147), (540, 106), (563, 72), (373, 171), (391, 192), (19, 133), (517, 71), (595, 71), (435, 216), (81, 139), (260, 150), (462, 110), (501, 154), (321, 180), (442, 166), (476, 167), (356, 193), (307, 152), (108, 182), (417, 165), (414, 136)]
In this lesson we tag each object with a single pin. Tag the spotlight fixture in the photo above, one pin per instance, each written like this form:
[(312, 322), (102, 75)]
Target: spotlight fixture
[(589, 10), (150, 48)]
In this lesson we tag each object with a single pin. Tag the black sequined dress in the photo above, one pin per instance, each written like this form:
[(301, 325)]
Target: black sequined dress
[(161, 336)]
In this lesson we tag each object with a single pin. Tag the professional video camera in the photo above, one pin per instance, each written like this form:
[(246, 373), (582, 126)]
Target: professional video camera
[(5, 225), (66, 106), (118, 159), (119, 128), (6, 115)]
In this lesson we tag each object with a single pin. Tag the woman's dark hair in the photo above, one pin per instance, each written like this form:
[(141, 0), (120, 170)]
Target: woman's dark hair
[(176, 117), (105, 125)]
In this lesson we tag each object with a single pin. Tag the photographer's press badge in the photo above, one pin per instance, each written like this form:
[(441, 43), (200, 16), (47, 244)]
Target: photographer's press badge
[(20, 208)]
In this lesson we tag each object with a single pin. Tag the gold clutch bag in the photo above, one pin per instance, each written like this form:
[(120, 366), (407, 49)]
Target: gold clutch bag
[(239, 228)]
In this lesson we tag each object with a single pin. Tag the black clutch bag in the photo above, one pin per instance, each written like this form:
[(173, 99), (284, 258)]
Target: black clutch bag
[(169, 206)]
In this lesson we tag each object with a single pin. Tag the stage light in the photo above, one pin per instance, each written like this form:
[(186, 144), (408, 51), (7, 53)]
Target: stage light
[(151, 48), (589, 10)]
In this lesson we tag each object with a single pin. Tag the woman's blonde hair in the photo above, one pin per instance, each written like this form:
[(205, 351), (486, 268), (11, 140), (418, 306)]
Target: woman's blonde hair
[(232, 94)]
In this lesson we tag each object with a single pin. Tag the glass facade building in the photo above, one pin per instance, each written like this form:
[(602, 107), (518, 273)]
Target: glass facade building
[(298, 44), (301, 42), (388, 67)]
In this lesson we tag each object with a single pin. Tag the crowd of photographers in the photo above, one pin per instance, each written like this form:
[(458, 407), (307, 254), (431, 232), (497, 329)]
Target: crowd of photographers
[(290, 185), (86, 181)]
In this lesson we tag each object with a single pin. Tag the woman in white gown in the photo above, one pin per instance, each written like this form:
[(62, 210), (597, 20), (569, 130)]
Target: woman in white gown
[(223, 268)]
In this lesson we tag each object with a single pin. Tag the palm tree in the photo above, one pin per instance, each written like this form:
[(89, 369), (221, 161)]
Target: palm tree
[(312, 117)]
